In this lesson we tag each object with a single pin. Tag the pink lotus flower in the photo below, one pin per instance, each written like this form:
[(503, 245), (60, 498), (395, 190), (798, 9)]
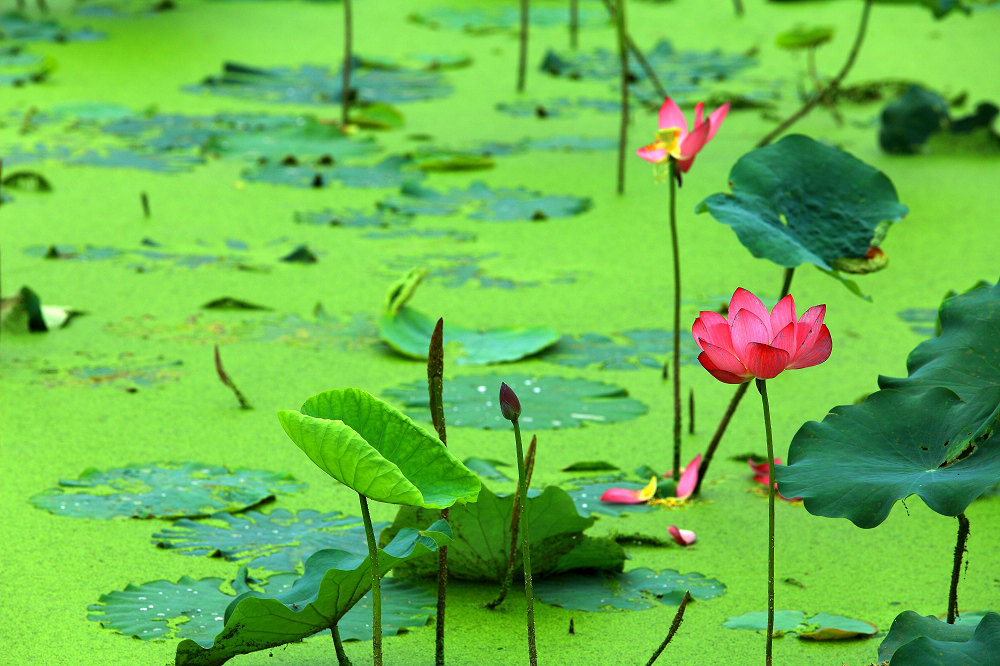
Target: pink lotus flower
[(760, 475), (682, 537), (752, 342), (673, 139), (629, 496)]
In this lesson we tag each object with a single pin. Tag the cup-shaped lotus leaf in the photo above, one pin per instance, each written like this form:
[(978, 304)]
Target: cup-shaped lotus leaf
[(378, 451), (801, 201)]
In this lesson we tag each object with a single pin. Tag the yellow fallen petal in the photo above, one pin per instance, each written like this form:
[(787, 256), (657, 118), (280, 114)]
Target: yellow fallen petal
[(647, 492)]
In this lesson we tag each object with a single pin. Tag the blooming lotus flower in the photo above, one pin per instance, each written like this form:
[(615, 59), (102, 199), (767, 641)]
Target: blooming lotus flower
[(673, 139), (682, 537), (629, 496), (752, 342), (760, 475)]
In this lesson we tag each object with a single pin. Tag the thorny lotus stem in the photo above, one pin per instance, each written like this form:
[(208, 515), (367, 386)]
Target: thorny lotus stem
[(338, 645), (678, 617), (762, 387), (623, 126), (734, 402), (522, 56), (345, 93), (376, 584), (435, 388), (529, 464), (529, 594), (637, 54), (672, 176), (830, 87), (574, 23), (963, 535)]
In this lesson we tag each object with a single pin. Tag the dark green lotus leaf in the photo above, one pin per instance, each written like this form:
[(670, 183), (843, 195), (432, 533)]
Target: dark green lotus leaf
[(116, 158), (487, 469), (24, 313), (639, 348), (352, 217), (311, 84), (802, 37), (481, 542), (408, 331), (587, 497), (18, 27), (862, 458), (801, 201), (914, 640), (907, 123), (19, 68), (638, 589), (939, 8), (481, 21), (485, 203), (548, 402), (194, 609), (26, 181), (964, 357), (818, 627), (164, 490), (278, 541), (393, 171), (378, 451), (333, 582), (308, 138)]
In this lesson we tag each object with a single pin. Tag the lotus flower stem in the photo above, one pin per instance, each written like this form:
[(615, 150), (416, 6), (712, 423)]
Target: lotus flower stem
[(338, 645), (678, 618), (522, 55), (574, 23), (435, 388), (529, 463), (522, 484), (963, 535), (376, 584), (738, 7), (345, 92), (734, 402), (691, 412), (623, 126), (675, 247), (762, 387), (637, 54), (830, 87), (227, 380)]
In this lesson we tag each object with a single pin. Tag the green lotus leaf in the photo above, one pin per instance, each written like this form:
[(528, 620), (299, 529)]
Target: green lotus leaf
[(818, 627), (801, 201), (802, 37), (378, 451), (638, 589), (964, 357), (481, 544), (333, 582), (862, 458), (914, 640)]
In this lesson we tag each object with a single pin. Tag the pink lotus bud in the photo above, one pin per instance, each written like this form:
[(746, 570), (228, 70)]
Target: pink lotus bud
[(510, 406)]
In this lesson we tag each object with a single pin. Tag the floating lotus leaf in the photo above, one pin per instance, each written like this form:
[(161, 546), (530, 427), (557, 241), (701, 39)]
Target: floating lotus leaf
[(377, 451), (18, 27), (163, 490), (638, 589), (303, 139), (862, 458), (481, 21), (393, 171), (278, 541), (587, 498), (548, 402), (641, 348), (818, 627), (333, 582), (487, 469), (800, 201), (802, 37), (926, 641), (485, 203), (481, 544)]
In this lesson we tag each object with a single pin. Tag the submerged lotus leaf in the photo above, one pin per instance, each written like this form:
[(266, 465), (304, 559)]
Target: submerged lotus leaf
[(502, 204), (481, 544), (164, 490), (638, 589), (481, 20), (800, 201), (587, 497), (818, 627), (16, 26), (378, 451), (306, 138), (333, 582), (862, 458), (393, 171), (640, 348), (914, 640), (278, 541), (549, 402)]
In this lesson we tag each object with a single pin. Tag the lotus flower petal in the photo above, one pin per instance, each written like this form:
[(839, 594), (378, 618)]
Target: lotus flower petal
[(785, 340), (722, 359), (716, 119), (722, 375), (783, 314), (744, 300), (682, 537), (765, 361), (689, 479), (690, 145), (814, 350), (629, 496), (747, 328), (714, 328), (672, 116), (652, 153)]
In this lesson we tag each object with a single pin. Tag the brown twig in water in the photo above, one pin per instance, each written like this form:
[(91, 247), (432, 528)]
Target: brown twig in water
[(529, 467), (678, 618), (229, 382)]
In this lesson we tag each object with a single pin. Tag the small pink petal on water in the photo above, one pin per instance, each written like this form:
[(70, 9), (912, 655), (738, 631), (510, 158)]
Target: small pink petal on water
[(682, 537), (689, 479), (628, 496)]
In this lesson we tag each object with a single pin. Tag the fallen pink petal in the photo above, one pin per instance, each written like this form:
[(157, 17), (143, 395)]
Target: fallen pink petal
[(630, 496), (689, 478), (682, 537)]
